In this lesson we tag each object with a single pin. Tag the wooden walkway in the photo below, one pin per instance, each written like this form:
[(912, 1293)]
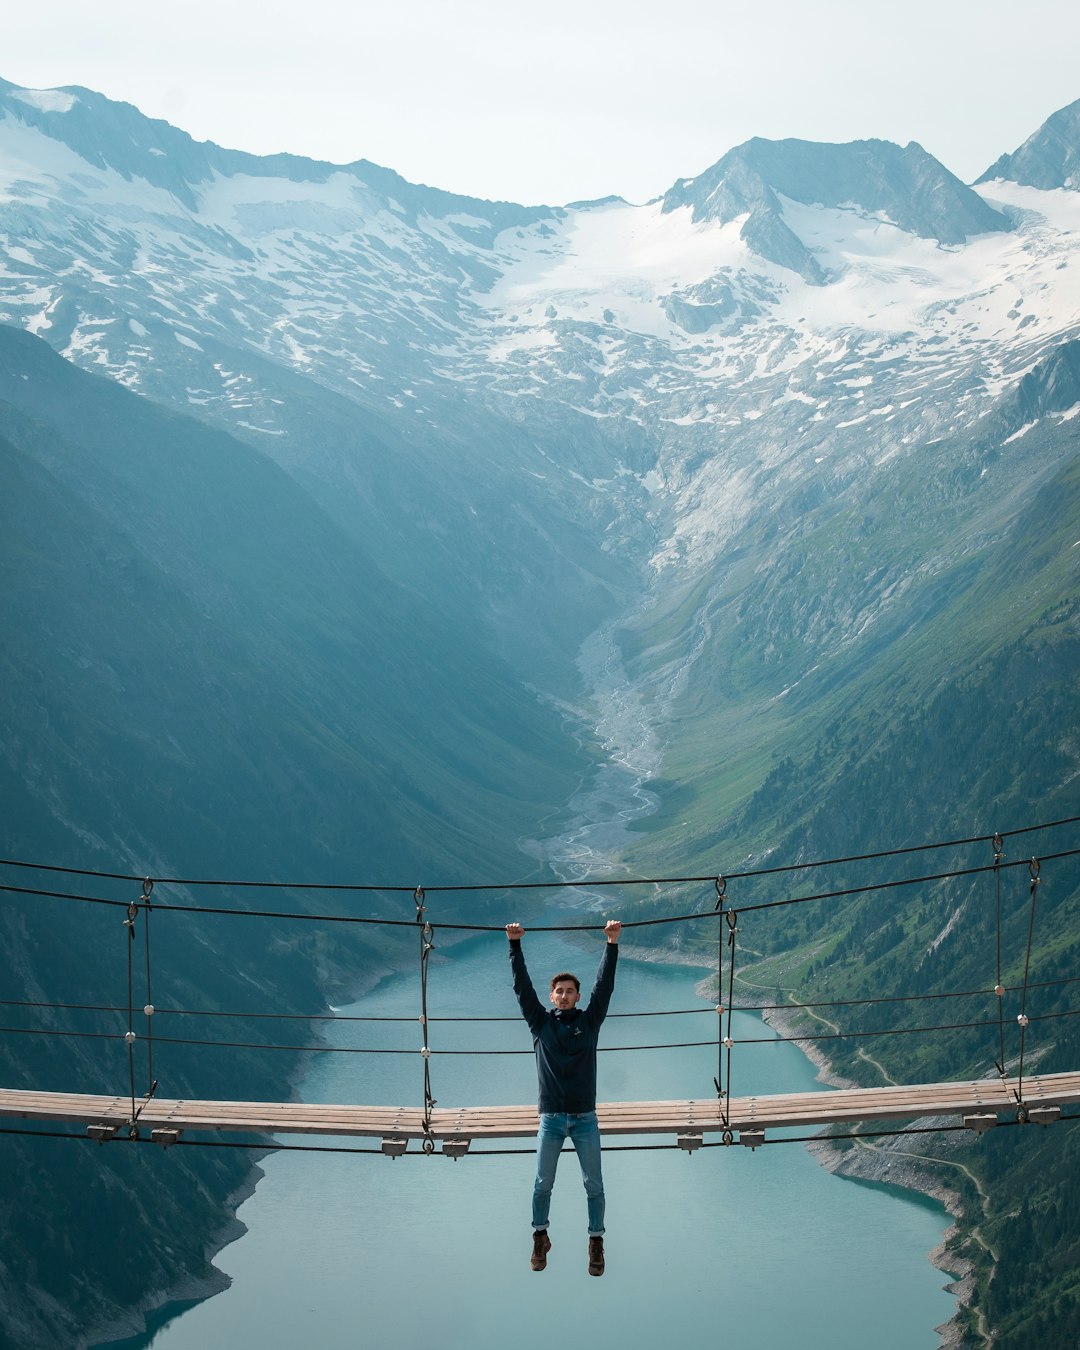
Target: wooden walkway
[(977, 1104)]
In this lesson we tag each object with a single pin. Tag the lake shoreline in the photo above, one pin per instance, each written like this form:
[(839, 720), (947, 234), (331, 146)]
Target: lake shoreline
[(137, 1327), (885, 1163), (880, 1164)]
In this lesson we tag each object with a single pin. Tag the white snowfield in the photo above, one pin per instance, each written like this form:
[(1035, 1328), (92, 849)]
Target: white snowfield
[(626, 315)]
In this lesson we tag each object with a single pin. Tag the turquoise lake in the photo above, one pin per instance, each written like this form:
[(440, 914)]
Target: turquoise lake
[(721, 1246)]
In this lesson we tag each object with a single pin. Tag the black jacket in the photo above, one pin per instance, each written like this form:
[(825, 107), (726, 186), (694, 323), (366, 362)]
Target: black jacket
[(565, 1042)]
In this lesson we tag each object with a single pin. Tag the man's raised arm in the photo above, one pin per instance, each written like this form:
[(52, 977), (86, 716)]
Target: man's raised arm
[(605, 976), (531, 1008)]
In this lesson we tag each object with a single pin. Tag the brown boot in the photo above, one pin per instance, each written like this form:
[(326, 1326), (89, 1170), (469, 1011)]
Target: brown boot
[(541, 1247), (596, 1256)]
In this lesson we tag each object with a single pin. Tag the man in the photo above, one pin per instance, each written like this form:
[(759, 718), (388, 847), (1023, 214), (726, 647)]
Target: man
[(564, 1039)]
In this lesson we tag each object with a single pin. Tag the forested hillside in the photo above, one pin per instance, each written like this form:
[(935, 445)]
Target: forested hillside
[(964, 724)]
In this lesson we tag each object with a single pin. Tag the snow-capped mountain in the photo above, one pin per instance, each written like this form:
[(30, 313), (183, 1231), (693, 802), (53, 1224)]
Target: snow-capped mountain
[(640, 382), (839, 291)]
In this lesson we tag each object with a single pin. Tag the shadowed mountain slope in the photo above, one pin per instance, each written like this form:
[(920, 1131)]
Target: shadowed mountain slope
[(204, 675)]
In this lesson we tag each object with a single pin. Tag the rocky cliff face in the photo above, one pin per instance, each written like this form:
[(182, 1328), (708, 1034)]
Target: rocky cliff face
[(875, 179), (1048, 159)]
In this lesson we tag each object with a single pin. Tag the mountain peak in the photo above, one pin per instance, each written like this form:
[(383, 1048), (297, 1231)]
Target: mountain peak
[(1049, 158), (113, 135), (905, 186)]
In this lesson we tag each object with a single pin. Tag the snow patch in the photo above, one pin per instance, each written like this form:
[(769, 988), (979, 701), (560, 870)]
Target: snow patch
[(1017, 434), (250, 426), (622, 260), (470, 222), (46, 100)]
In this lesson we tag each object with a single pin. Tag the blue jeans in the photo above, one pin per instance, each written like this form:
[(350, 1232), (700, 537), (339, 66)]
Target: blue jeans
[(584, 1133)]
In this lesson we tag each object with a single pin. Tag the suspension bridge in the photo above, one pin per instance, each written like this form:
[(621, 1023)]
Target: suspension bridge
[(1005, 1095)]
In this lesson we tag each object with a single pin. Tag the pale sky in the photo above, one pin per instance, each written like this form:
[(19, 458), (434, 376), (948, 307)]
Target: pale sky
[(569, 99)]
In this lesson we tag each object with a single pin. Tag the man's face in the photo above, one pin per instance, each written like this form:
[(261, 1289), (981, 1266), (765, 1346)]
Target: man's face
[(565, 995)]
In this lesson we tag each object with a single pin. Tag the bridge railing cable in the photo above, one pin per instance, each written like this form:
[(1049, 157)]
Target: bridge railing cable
[(706, 1009), (308, 1048), (306, 917), (583, 882)]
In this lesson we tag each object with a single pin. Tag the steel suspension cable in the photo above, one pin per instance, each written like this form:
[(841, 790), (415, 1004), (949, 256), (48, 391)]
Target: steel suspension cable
[(709, 1009), (721, 888), (263, 1147), (544, 885), (148, 1006), (129, 1035), (999, 988), (1023, 1019), (427, 946), (868, 888), (731, 919), (603, 1049)]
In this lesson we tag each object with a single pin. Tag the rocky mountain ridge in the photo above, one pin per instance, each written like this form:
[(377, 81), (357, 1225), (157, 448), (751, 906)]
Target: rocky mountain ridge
[(1048, 159), (905, 187)]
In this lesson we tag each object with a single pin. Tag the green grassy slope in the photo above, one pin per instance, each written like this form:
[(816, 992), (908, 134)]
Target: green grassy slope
[(856, 698)]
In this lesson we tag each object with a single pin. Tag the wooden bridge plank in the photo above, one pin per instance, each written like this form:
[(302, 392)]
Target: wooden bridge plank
[(775, 1111)]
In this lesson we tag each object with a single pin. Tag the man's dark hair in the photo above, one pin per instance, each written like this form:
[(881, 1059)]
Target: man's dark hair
[(565, 975)]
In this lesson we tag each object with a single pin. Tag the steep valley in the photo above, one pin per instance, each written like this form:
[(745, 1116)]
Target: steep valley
[(354, 529)]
